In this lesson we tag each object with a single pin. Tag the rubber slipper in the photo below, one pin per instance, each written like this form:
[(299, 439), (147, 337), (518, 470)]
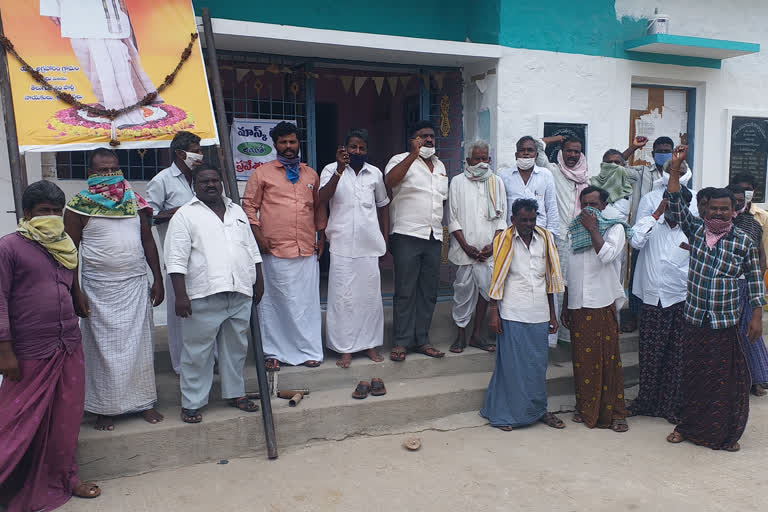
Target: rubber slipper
[(362, 390)]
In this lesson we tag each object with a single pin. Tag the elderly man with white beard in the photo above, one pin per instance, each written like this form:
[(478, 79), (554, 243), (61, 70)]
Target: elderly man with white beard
[(478, 206)]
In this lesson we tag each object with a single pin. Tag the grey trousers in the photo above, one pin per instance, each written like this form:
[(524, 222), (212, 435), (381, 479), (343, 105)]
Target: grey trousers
[(220, 319), (417, 279)]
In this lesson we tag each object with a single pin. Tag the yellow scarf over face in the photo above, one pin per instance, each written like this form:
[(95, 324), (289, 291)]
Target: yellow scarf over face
[(48, 231), (502, 258)]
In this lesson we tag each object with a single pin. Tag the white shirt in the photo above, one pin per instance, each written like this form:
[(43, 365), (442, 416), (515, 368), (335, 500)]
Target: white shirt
[(353, 225), (540, 187), (651, 200), (88, 19), (468, 212), (565, 190), (417, 201), (618, 210), (661, 273), (525, 289), (214, 256), (169, 189), (594, 279)]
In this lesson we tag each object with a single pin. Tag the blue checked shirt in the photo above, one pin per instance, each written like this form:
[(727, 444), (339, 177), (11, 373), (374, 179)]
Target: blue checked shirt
[(713, 290)]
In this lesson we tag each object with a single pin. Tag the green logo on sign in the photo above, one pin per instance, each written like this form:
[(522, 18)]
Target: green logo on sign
[(254, 149)]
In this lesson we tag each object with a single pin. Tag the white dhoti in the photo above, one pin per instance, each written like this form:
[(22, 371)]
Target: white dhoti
[(118, 347), (289, 312), (355, 317), (470, 280), (114, 70)]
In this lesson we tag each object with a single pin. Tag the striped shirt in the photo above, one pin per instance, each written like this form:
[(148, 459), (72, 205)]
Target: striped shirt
[(713, 290)]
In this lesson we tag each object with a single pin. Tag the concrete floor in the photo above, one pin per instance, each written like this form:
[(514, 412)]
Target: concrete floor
[(465, 465)]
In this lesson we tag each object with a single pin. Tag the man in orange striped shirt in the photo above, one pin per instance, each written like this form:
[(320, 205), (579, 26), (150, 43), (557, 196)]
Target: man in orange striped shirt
[(288, 222)]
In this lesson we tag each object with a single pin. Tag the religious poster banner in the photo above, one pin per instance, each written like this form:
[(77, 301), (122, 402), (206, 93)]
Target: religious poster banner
[(128, 73), (252, 144)]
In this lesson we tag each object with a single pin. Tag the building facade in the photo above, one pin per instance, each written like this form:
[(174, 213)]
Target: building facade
[(492, 69)]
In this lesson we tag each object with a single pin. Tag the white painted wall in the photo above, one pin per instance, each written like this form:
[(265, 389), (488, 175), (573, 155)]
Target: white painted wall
[(538, 86)]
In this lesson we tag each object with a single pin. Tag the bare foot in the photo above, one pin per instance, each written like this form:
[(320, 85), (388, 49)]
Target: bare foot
[(86, 490), (460, 343), (152, 416), (344, 361), (374, 355), (758, 390), (104, 423)]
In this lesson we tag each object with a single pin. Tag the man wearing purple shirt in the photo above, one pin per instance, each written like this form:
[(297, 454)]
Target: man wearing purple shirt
[(41, 359)]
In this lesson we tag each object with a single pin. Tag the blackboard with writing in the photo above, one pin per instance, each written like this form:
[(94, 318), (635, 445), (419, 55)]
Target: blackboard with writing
[(577, 130), (749, 151)]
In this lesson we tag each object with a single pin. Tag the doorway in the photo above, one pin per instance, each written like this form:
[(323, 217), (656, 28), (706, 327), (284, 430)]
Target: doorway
[(657, 111)]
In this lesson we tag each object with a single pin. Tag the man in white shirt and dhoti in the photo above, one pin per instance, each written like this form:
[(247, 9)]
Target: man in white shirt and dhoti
[(357, 227), (478, 212), (170, 189), (102, 40)]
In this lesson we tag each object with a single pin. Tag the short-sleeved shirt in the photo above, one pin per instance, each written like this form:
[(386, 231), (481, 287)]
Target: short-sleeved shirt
[(417, 201), (289, 214), (353, 224), (169, 189), (214, 256)]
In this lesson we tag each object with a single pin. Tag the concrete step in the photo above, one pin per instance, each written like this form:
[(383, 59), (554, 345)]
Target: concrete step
[(328, 376), (137, 447)]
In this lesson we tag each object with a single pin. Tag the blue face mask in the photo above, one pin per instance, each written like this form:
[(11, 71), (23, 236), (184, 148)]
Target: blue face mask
[(662, 158)]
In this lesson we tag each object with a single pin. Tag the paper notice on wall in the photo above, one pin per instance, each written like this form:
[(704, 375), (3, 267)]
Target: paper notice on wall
[(675, 100), (639, 99), (653, 125)]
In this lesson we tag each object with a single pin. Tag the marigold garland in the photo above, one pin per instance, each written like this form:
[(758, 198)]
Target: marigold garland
[(110, 114)]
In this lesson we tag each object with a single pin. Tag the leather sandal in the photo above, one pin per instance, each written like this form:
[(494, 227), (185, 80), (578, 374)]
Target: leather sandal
[(377, 387), (362, 390)]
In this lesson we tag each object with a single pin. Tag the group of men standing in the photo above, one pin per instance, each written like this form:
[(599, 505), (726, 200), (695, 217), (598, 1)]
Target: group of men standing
[(697, 273), (520, 239)]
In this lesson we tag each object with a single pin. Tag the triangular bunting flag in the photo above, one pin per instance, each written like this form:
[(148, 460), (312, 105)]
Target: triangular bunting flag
[(404, 81), (379, 81), (392, 81), (346, 82), (425, 79), (240, 74), (359, 82)]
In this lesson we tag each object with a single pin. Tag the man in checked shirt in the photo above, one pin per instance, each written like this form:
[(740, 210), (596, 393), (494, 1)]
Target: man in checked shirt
[(716, 381)]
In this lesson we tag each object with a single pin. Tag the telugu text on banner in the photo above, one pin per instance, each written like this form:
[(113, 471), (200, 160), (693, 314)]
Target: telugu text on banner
[(110, 55), (252, 144)]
